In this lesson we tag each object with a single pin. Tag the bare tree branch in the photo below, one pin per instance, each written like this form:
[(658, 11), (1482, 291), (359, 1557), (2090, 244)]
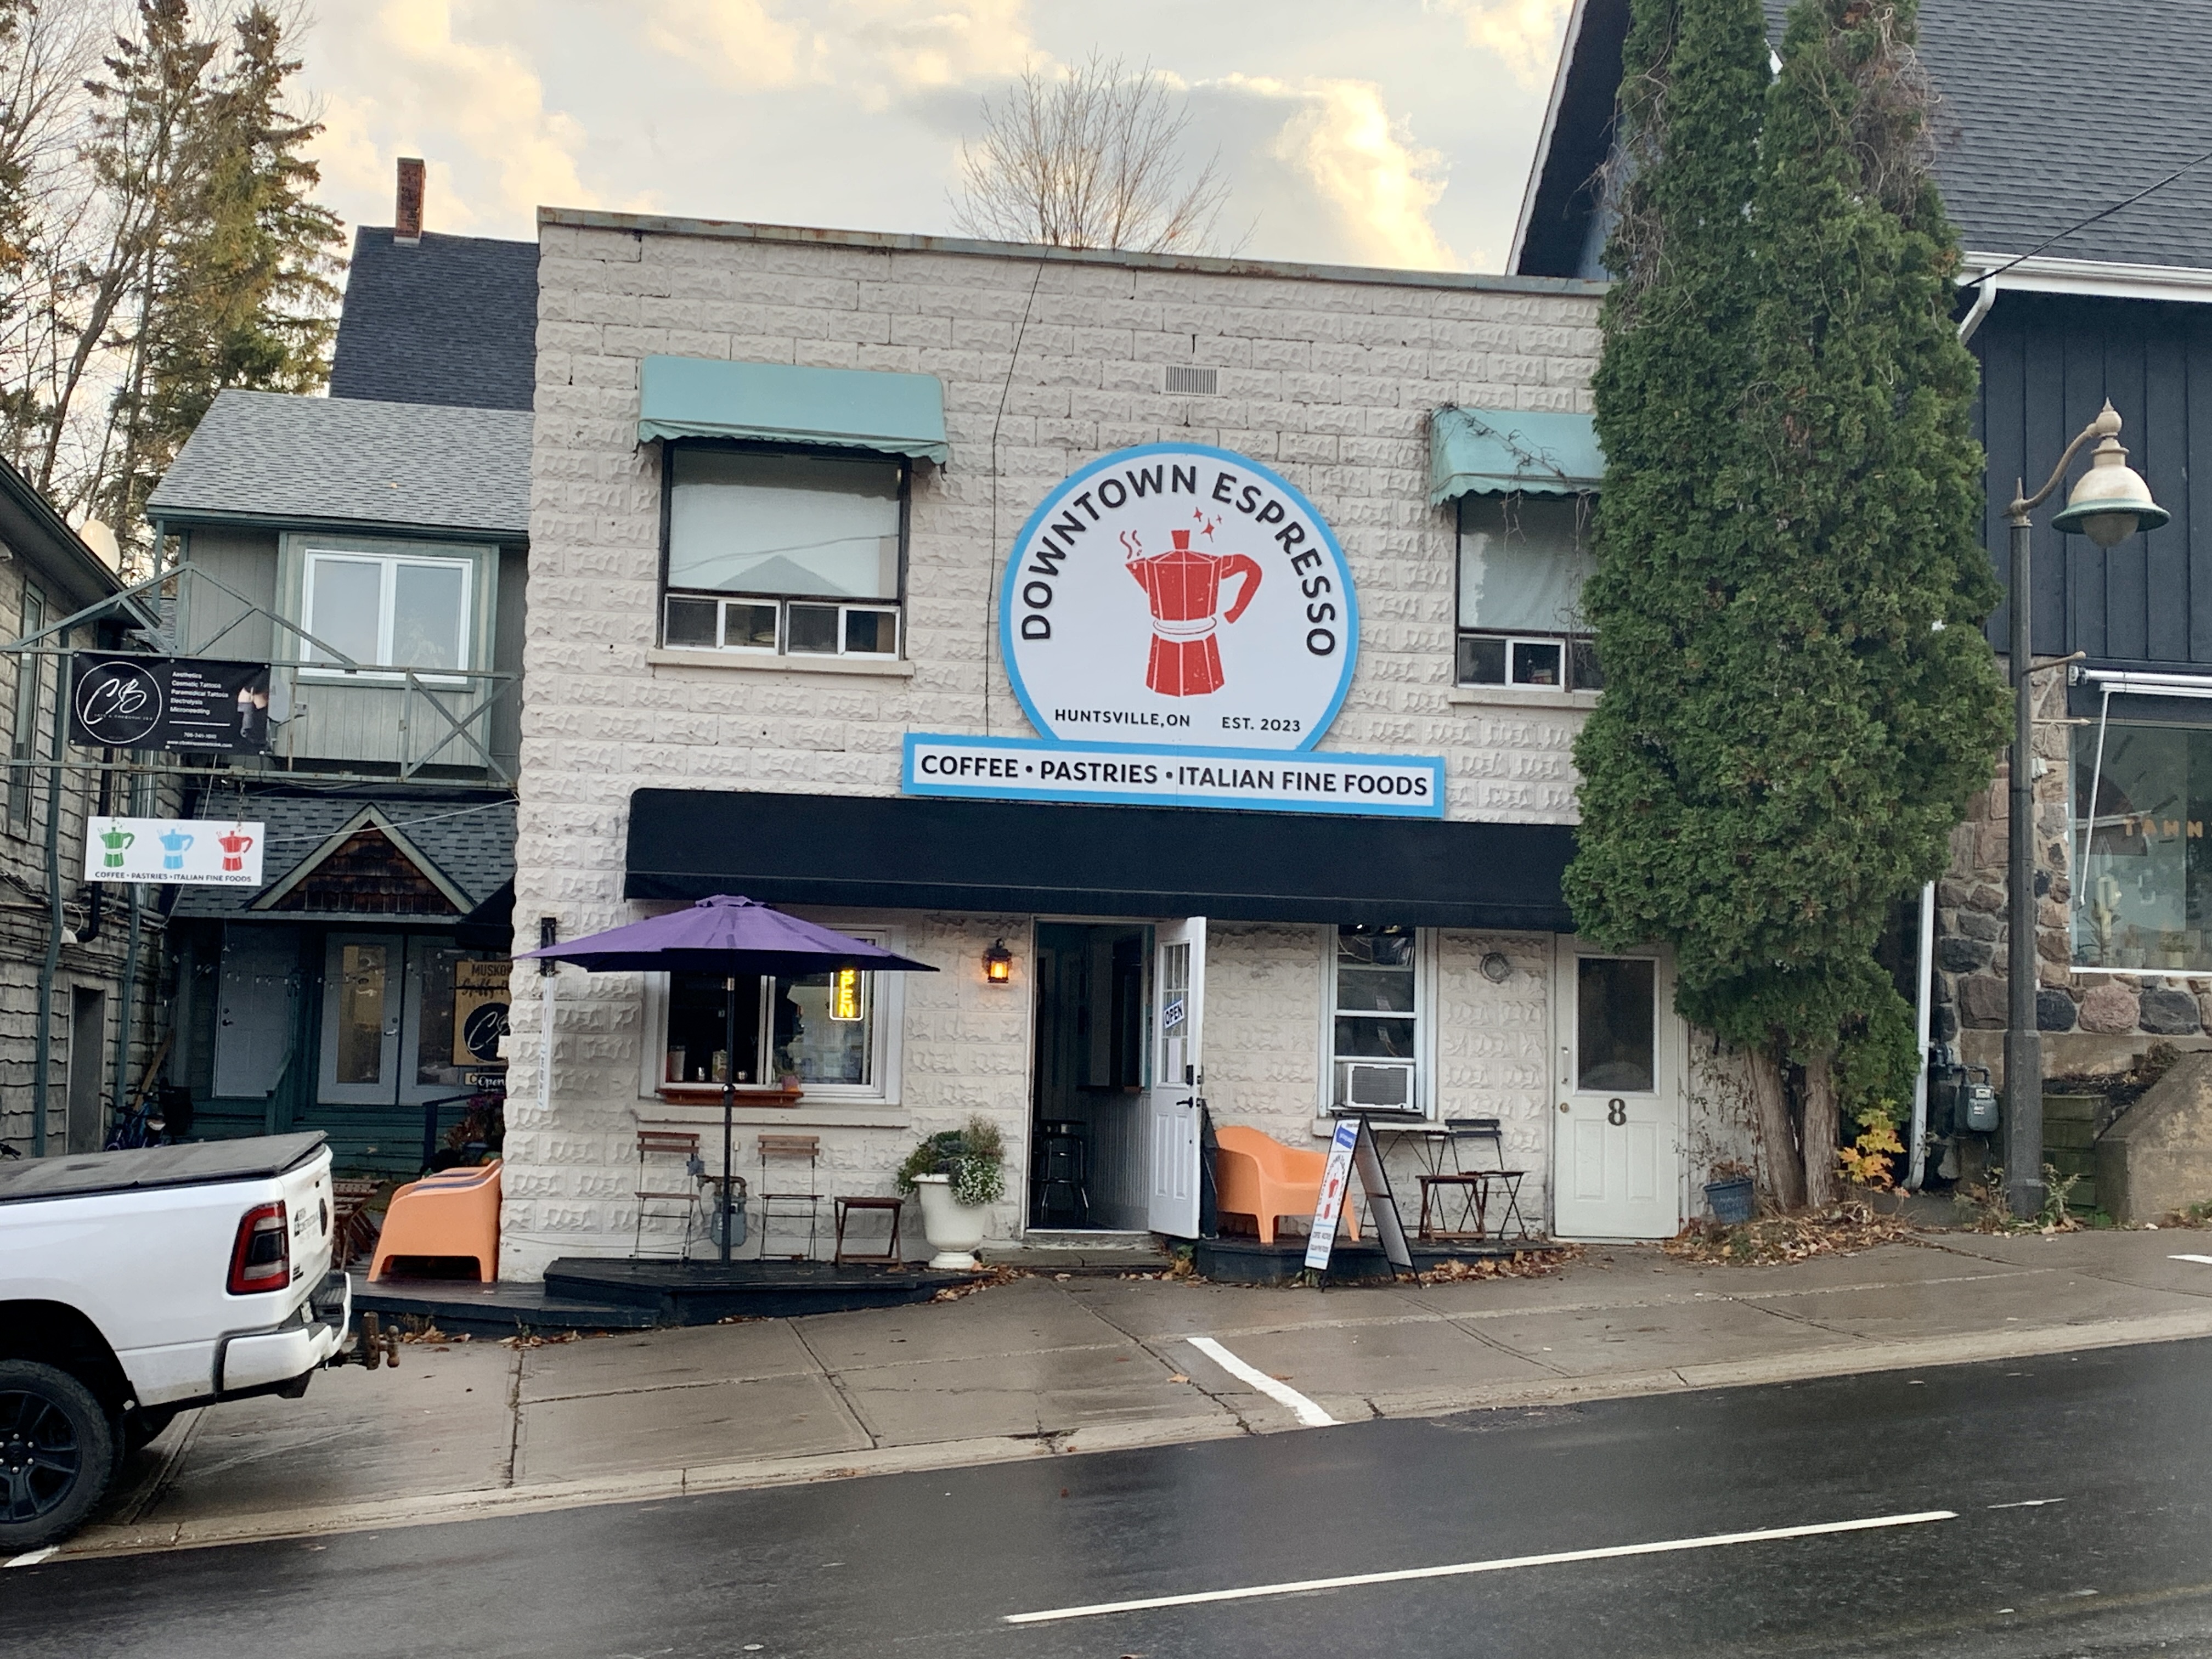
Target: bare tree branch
[(1091, 156)]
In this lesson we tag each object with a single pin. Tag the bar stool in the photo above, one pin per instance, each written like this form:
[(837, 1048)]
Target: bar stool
[(1060, 1170)]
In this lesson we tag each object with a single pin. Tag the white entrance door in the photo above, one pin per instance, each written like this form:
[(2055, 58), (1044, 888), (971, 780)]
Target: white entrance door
[(362, 977), (1616, 1156), (1173, 1102)]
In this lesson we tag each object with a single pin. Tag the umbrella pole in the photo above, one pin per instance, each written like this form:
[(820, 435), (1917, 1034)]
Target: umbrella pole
[(729, 1095)]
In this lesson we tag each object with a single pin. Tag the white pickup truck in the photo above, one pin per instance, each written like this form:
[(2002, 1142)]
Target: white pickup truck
[(136, 1283)]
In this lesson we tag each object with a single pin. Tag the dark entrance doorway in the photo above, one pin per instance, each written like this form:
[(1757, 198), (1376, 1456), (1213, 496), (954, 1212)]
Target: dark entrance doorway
[(1086, 1130)]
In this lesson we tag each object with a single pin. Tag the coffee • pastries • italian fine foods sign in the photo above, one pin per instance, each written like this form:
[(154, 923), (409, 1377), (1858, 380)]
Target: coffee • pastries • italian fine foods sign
[(1182, 626)]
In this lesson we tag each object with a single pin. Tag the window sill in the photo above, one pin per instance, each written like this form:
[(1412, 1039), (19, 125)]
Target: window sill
[(1519, 696), (880, 667), (804, 1114)]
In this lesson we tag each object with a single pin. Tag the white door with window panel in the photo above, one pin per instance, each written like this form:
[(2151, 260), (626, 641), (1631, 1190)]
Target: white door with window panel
[(1172, 1102), (363, 977), (381, 1046), (1617, 1143)]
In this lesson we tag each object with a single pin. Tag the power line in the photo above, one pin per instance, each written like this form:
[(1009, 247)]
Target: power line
[(2105, 213)]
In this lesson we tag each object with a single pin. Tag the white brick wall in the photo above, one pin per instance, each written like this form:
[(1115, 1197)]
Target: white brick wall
[(1330, 381)]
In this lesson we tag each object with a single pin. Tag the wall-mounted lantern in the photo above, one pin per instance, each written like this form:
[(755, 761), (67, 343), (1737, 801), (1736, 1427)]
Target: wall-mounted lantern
[(998, 963)]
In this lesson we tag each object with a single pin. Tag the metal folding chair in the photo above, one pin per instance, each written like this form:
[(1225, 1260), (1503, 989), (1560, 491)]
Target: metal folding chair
[(659, 1196), (790, 1206)]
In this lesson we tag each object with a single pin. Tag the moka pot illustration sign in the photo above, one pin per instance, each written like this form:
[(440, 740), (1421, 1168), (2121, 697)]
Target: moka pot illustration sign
[(1181, 594)]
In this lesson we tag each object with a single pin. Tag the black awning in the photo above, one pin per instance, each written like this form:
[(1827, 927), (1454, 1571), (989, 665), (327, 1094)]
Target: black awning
[(907, 853)]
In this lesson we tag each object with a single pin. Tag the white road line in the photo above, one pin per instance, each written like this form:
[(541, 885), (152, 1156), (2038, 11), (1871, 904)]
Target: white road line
[(2027, 1504), (33, 1558), (1281, 1392), (1463, 1569), (2205, 1260)]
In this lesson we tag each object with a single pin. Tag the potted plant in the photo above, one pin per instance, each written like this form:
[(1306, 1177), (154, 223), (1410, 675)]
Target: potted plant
[(958, 1174), (1729, 1192)]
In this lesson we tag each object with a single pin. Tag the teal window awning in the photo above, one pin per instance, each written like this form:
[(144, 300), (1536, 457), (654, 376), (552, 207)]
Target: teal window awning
[(779, 403), (1496, 452)]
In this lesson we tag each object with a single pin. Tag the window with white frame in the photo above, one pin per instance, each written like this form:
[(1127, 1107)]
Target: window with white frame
[(1522, 561), (1375, 1019), (779, 554), (826, 1033), (387, 610)]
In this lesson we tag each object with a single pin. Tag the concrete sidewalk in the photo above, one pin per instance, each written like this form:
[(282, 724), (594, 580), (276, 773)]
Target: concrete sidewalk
[(1043, 1367)]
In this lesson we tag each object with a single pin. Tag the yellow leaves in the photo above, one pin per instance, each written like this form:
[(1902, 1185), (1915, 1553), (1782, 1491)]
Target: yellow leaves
[(1865, 1163)]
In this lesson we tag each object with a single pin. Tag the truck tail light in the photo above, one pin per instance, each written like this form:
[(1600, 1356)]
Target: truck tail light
[(261, 1258)]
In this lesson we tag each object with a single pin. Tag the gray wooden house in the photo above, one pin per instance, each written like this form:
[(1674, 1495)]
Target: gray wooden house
[(372, 547)]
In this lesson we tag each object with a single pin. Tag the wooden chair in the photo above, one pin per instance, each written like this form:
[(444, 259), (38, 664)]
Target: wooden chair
[(788, 1205), (352, 1230), (1256, 1175), (667, 1201)]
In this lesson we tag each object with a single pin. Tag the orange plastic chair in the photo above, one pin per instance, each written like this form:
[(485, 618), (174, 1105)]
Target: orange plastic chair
[(1256, 1175), (455, 1213)]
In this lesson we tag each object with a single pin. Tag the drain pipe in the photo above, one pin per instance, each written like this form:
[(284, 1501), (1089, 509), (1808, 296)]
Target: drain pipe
[(1985, 295), (43, 1066), (1917, 1161), (128, 1007)]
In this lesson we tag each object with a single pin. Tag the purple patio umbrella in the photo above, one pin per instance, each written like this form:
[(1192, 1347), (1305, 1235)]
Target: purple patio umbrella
[(728, 935)]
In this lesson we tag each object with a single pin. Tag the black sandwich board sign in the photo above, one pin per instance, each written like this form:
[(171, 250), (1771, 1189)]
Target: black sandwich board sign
[(169, 703), (1353, 1147)]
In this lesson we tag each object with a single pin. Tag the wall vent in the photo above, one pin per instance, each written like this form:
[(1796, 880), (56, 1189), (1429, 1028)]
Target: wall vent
[(1201, 382)]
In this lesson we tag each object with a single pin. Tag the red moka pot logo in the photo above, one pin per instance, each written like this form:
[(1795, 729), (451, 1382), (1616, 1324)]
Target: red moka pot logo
[(1177, 593), (1184, 586)]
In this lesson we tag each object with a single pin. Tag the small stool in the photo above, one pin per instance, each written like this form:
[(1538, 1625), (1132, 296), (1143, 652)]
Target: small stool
[(890, 1256), (1060, 1170)]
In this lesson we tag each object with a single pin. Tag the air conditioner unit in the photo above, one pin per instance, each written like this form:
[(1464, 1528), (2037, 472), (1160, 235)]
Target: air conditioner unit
[(1379, 1086)]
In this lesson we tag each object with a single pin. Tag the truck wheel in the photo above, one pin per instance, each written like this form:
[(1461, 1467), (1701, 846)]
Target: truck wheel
[(57, 1453)]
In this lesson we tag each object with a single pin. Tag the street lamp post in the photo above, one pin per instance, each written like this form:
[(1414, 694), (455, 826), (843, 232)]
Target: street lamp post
[(2110, 504)]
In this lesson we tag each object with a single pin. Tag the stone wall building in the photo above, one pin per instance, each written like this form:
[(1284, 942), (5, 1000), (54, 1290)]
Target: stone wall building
[(699, 720)]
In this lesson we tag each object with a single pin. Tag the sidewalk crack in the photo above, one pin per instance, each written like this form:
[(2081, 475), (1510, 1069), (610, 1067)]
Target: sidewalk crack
[(836, 1382), (514, 1418)]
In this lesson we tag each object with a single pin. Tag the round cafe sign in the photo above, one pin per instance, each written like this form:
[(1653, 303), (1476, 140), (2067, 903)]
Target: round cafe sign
[(1178, 594)]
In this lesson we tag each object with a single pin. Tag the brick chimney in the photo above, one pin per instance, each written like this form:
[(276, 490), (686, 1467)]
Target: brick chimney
[(407, 212)]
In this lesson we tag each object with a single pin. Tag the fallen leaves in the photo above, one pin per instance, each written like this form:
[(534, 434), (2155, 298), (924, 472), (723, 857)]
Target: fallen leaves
[(1843, 1231), (1522, 1264)]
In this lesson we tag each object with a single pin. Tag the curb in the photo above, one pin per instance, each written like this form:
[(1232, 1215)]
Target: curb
[(1843, 1359)]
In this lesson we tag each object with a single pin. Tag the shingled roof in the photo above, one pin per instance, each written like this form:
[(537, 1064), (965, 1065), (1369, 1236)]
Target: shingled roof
[(470, 844), (267, 456), (452, 320), (2051, 111)]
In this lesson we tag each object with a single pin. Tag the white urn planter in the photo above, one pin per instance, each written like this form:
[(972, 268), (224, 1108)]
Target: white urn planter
[(953, 1229)]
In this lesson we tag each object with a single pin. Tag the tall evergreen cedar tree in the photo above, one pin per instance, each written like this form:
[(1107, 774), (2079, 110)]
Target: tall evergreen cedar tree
[(1799, 699), (240, 292)]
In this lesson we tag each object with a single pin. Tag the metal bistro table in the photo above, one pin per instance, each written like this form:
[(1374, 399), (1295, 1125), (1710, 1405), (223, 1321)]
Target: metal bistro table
[(1436, 1149)]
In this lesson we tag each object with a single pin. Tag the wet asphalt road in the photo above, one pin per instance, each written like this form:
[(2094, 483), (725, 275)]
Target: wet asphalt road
[(928, 1563)]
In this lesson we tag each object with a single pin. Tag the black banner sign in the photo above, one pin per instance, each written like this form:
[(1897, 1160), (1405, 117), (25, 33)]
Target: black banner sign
[(170, 703)]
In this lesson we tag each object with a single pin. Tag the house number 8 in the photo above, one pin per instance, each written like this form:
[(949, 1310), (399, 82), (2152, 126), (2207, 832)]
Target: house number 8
[(1616, 1112)]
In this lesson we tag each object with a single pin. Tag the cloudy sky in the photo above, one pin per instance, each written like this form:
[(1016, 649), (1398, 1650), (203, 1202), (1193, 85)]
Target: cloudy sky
[(1391, 132)]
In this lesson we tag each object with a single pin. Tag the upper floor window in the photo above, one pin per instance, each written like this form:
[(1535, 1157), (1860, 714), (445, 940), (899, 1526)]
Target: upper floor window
[(783, 554), (387, 610), (1523, 560)]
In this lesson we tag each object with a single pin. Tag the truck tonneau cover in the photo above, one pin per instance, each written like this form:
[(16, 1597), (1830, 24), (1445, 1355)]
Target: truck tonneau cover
[(255, 1158)]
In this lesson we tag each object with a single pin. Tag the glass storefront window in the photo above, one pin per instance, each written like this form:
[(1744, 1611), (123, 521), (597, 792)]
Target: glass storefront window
[(819, 1030), (2143, 896)]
